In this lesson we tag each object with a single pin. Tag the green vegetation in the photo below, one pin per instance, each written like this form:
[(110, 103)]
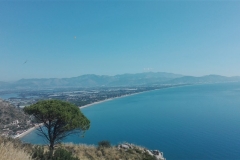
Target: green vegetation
[(104, 144), (59, 154), (14, 149), (59, 120)]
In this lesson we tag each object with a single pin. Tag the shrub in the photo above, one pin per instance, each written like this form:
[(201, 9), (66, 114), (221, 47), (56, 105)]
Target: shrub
[(138, 150), (59, 154), (38, 153), (62, 154), (131, 151), (146, 156), (104, 144)]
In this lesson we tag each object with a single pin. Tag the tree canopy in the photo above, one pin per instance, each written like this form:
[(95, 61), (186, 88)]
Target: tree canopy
[(59, 120)]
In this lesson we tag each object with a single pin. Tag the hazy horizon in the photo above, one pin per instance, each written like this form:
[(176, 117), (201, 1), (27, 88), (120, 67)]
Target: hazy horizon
[(116, 75), (60, 39)]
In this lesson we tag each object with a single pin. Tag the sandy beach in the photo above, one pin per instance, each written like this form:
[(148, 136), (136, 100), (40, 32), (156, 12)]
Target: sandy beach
[(25, 133), (28, 131), (109, 99), (88, 105)]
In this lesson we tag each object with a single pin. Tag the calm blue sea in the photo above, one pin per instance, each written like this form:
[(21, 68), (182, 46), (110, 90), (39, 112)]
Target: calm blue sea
[(189, 122)]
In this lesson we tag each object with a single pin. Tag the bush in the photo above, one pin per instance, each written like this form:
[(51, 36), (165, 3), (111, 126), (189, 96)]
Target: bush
[(146, 156), (62, 154), (59, 154), (104, 144), (38, 153), (131, 151), (138, 151)]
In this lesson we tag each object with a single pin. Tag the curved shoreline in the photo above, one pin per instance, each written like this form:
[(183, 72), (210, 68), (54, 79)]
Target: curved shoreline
[(109, 99), (25, 133), (28, 131), (85, 106), (98, 102)]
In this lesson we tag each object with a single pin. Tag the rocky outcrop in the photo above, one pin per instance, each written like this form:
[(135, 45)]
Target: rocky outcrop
[(155, 153)]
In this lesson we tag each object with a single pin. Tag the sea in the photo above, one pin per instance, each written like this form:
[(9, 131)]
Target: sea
[(195, 122)]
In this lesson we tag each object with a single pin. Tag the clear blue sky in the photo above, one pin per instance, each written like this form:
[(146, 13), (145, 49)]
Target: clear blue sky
[(66, 39)]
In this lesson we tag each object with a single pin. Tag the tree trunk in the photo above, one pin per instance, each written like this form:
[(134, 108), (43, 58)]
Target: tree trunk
[(51, 148)]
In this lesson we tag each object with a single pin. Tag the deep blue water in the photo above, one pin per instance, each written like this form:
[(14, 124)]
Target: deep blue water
[(190, 122)]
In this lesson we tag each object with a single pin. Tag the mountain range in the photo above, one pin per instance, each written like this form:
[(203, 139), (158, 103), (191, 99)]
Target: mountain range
[(123, 80)]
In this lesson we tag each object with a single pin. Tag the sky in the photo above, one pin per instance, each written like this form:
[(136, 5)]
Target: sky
[(61, 39)]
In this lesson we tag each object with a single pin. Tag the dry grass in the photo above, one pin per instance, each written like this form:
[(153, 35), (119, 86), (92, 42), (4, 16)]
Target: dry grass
[(12, 149), (9, 151), (86, 152)]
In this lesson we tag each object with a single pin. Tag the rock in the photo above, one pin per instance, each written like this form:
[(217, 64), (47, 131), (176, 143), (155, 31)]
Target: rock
[(124, 146), (149, 152), (158, 154), (155, 152)]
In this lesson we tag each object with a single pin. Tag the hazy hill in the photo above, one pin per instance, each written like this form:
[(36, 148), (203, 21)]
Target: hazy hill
[(203, 79), (91, 80)]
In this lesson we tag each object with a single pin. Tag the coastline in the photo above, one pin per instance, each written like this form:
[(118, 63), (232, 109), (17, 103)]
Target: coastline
[(85, 106), (94, 103), (25, 133), (28, 131), (109, 99)]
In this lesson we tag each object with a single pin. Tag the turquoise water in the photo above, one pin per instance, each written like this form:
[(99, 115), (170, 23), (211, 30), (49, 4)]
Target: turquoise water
[(190, 122)]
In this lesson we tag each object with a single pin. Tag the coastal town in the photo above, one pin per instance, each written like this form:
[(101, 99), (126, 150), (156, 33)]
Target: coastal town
[(78, 96)]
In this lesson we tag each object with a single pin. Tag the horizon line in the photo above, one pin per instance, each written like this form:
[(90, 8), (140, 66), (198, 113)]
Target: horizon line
[(117, 75)]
